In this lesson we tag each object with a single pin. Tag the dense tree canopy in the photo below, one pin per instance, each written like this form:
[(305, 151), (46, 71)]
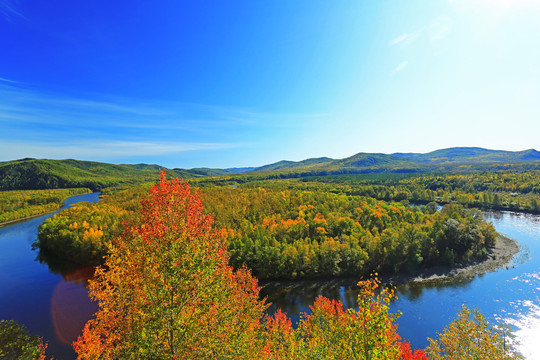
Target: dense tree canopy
[(279, 232), (282, 233)]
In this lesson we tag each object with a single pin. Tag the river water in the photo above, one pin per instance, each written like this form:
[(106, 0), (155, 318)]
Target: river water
[(50, 305), (56, 307)]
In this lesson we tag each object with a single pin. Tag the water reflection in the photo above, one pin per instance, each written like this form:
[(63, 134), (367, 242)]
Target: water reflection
[(70, 306), (70, 272), (413, 291), (70, 309), (295, 298)]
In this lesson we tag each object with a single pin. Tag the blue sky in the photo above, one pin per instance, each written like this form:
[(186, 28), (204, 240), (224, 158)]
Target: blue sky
[(245, 83)]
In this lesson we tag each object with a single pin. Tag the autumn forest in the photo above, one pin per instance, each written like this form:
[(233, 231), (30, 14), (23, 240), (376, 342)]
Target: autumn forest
[(178, 261)]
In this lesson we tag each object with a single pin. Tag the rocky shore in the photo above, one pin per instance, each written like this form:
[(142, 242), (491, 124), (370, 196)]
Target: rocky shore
[(501, 255)]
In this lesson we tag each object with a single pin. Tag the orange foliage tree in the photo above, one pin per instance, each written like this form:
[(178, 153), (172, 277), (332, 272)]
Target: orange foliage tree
[(166, 290), (331, 332)]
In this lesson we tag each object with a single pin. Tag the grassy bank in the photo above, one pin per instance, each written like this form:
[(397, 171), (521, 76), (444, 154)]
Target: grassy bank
[(21, 204)]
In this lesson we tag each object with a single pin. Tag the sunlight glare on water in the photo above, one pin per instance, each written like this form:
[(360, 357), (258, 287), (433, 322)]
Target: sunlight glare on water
[(524, 316), (523, 312), (528, 333)]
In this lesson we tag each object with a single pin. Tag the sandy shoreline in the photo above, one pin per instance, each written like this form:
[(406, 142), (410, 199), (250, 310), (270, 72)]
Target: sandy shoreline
[(499, 256)]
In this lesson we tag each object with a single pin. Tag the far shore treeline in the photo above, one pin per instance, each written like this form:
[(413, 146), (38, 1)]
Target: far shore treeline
[(21, 204)]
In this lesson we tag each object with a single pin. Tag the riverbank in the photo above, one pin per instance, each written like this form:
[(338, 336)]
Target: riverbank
[(21, 205), (499, 256), (26, 218)]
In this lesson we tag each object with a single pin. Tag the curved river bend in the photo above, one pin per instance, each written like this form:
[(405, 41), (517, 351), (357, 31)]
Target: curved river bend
[(56, 307)]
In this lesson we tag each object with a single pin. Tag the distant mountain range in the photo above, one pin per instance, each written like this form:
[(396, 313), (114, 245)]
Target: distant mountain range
[(451, 159), (471, 155), (47, 174)]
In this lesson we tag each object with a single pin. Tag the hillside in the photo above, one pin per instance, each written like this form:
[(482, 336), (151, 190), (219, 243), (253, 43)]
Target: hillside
[(239, 170), (206, 171), (368, 160), (33, 174), (362, 162), (444, 160), (473, 155), (289, 165)]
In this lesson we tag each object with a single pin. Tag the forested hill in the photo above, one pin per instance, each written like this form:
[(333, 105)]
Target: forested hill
[(33, 174), (37, 174), (444, 160), (361, 162), (286, 165), (472, 155)]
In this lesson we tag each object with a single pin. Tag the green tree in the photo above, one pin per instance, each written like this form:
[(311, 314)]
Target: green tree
[(16, 343)]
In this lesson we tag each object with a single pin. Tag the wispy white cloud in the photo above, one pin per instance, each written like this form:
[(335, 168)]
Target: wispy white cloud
[(9, 11), (398, 39), (438, 29), (101, 150), (407, 39), (400, 67), (127, 127), (4, 80), (16, 103)]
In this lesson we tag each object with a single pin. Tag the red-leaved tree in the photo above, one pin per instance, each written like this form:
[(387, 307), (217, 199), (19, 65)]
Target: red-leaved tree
[(166, 290)]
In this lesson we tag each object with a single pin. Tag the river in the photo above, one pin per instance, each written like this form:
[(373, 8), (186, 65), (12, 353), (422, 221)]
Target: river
[(50, 305), (56, 307)]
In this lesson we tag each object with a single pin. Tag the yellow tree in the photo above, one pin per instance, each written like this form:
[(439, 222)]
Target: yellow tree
[(471, 337)]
